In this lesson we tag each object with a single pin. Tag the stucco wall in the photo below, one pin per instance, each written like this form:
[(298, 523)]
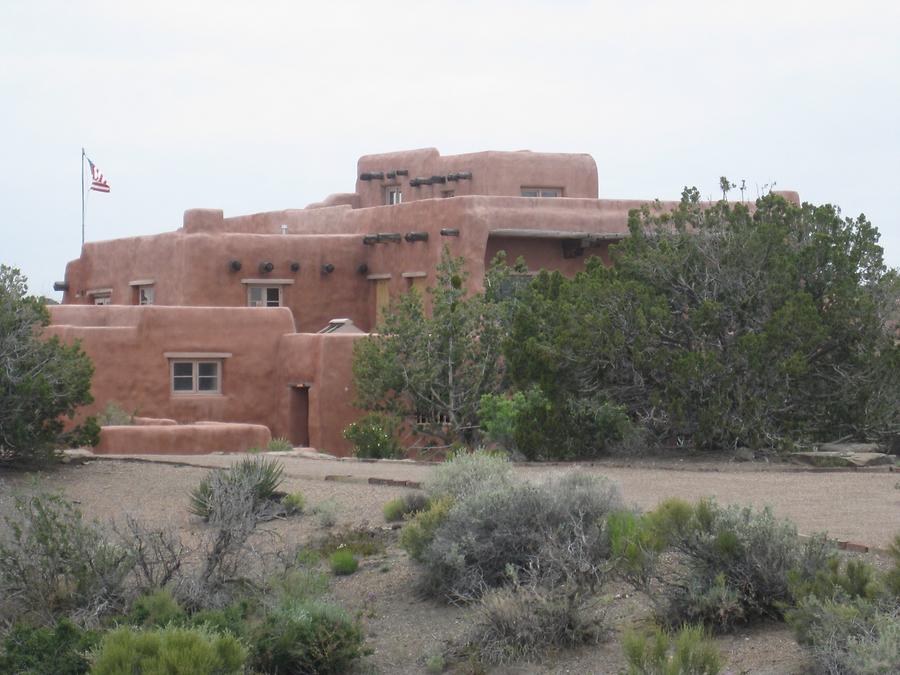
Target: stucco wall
[(493, 173), (128, 347)]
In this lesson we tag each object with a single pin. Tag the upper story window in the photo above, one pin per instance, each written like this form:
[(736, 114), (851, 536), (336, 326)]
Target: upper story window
[(264, 296), (142, 291), (99, 296), (144, 295), (541, 192), (393, 195)]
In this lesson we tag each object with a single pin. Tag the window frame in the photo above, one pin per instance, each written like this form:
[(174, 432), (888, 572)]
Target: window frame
[(195, 364), (146, 292), (264, 289), (391, 191), (540, 190), (102, 299)]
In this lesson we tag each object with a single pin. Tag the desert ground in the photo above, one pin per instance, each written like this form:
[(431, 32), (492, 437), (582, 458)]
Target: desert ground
[(402, 629)]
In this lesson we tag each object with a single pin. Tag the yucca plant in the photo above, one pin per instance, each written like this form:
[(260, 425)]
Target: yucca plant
[(257, 475)]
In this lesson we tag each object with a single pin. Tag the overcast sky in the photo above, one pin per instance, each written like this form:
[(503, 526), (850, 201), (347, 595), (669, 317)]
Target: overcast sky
[(258, 106)]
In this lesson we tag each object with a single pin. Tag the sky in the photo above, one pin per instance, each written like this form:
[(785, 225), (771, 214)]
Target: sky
[(261, 106)]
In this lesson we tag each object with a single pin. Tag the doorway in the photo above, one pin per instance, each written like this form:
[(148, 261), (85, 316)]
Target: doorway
[(299, 423)]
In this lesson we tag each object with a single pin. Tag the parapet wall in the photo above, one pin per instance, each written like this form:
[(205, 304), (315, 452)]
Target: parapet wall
[(184, 439)]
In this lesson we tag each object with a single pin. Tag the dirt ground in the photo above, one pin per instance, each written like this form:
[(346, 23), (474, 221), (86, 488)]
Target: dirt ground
[(404, 630)]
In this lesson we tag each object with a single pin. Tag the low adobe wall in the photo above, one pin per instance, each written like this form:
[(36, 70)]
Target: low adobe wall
[(182, 439)]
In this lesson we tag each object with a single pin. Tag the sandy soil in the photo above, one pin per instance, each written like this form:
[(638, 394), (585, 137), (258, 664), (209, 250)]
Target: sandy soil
[(404, 630), (859, 506)]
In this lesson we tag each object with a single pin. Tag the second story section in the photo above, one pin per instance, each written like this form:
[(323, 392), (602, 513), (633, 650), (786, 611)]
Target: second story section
[(400, 177)]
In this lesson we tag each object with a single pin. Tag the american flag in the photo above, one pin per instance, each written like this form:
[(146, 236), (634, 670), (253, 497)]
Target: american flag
[(98, 181)]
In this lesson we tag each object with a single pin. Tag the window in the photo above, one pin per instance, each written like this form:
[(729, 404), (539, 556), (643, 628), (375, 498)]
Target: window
[(144, 295), (448, 193), (541, 192), (102, 299), (264, 296), (393, 195), (196, 377)]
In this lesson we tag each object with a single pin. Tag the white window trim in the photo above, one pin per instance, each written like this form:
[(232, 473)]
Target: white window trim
[(265, 288), (149, 292), (267, 282), (195, 361), (540, 189), (389, 191)]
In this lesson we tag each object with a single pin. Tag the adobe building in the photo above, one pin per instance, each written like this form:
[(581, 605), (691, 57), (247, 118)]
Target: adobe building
[(252, 319)]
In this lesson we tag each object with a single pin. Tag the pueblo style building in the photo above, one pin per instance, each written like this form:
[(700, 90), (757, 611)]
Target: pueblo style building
[(251, 320)]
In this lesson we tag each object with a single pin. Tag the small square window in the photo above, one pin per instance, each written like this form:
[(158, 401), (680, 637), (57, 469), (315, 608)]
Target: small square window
[(541, 192), (145, 295), (393, 195), (196, 377), (102, 299), (264, 296)]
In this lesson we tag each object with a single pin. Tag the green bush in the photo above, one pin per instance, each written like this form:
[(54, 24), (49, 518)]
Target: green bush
[(465, 473), (343, 562), (259, 477), (508, 419), (848, 614), (115, 415), (300, 584), (411, 502), (60, 649), (892, 577), (523, 621), (653, 653), (684, 332), (307, 637), (280, 444), (418, 532), (326, 512), (374, 436), (238, 619), (42, 381), (293, 502), (53, 564), (168, 651), (556, 530), (848, 635), (717, 566), (360, 541), (156, 609)]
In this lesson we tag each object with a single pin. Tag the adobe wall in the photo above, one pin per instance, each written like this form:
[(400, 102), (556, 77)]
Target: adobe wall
[(267, 361), (492, 173), (184, 439), (190, 267), (324, 363), (128, 345)]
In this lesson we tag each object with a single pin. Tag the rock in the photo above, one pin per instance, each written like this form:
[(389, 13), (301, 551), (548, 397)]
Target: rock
[(830, 459), (851, 447)]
